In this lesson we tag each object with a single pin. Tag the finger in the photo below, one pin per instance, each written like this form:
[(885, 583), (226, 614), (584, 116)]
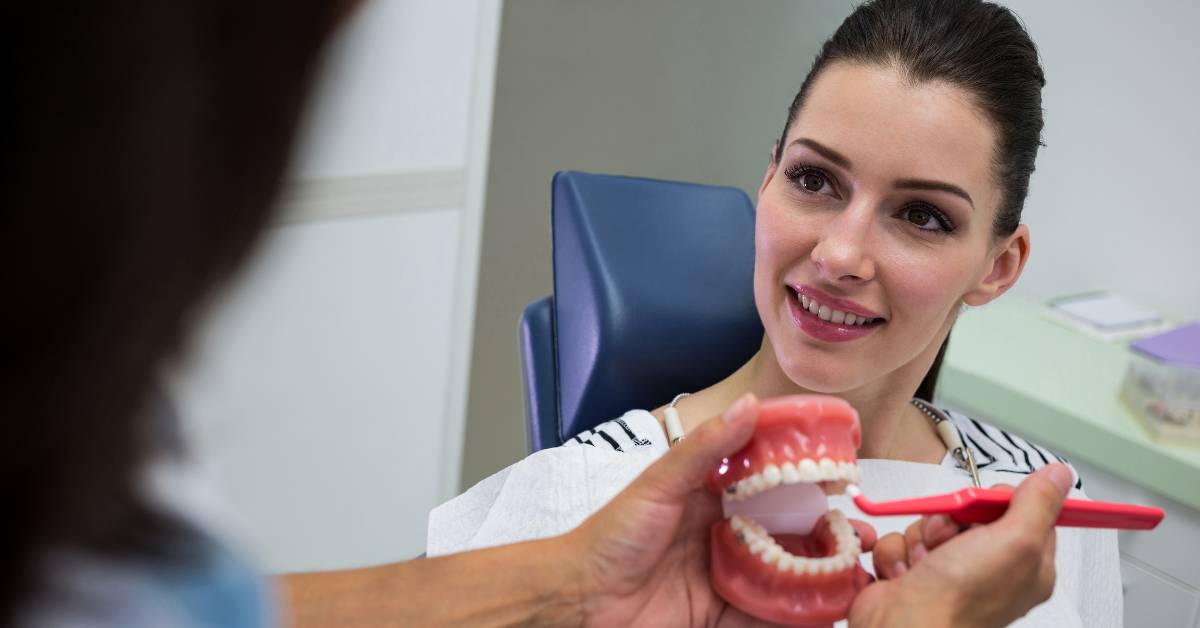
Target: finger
[(866, 534), (686, 465), (1038, 500), (915, 543), (937, 529), (890, 556), (1048, 552)]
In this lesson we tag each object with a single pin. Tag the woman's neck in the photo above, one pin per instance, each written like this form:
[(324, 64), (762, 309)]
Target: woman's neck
[(891, 427)]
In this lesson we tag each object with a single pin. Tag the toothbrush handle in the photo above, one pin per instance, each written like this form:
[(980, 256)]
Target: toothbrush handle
[(990, 504), (984, 505)]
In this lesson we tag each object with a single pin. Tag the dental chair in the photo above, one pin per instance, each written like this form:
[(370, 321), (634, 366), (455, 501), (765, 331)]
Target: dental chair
[(653, 296)]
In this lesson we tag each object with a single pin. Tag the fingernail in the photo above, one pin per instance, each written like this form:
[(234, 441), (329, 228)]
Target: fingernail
[(738, 408), (919, 552), (1062, 478), (930, 525), (899, 568)]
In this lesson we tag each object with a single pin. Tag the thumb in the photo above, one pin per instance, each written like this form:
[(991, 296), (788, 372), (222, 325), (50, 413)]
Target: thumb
[(1037, 501), (686, 466)]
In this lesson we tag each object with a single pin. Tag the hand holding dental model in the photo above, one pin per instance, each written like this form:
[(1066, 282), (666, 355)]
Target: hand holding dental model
[(647, 550)]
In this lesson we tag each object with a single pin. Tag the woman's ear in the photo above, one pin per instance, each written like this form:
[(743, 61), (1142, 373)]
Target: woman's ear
[(1007, 262), (772, 164)]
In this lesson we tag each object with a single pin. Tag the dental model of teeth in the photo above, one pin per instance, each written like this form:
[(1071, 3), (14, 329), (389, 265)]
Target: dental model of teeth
[(806, 470), (779, 553), (829, 314), (761, 544)]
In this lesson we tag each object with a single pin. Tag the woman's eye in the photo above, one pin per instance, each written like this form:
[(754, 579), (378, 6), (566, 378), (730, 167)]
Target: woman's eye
[(811, 180), (926, 219)]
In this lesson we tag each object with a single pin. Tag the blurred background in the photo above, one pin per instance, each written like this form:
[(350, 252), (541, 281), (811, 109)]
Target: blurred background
[(365, 369)]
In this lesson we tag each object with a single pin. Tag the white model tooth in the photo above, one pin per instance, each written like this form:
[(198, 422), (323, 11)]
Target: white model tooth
[(771, 554), (800, 565), (737, 523), (808, 470), (837, 316), (784, 562), (745, 488), (845, 470), (813, 306), (790, 474), (758, 483), (828, 566), (827, 468), (824, 312), (772, 475), (759, 545)]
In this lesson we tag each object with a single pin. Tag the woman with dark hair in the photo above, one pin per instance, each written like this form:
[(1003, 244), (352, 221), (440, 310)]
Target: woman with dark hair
[(145, 149), (891, 200)]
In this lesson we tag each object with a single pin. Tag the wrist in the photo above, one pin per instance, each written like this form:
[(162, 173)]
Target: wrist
[(558, 578), (900, 606)]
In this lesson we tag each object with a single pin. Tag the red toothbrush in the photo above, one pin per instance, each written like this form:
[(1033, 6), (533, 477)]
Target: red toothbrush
[(984, 505)]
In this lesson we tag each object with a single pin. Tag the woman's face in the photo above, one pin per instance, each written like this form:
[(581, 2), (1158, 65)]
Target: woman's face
[(881, 207)]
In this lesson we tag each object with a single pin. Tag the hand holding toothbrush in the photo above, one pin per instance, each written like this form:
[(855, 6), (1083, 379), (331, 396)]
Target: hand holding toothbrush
[(985, 575)]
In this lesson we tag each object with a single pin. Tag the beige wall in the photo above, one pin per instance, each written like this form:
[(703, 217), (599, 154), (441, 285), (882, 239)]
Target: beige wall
[(693, 90)]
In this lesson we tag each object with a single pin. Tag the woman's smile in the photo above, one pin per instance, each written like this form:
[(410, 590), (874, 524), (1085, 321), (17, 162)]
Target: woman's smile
[(830, 319)]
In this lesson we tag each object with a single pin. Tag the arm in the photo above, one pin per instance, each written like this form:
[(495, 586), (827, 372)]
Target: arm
[(640, 560), (526, 583)]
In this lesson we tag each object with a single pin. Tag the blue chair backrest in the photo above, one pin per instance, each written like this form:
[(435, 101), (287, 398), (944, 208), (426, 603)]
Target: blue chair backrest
[(653, 296)]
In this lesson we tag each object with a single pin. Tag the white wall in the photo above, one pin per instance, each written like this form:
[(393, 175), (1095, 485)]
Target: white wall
[(325, 393), (1113, 203)]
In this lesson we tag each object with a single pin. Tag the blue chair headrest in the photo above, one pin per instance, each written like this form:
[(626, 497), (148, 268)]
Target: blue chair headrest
[(653, 292)]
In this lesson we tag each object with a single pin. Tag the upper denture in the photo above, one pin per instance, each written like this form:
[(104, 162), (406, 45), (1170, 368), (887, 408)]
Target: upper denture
[(802, 438)]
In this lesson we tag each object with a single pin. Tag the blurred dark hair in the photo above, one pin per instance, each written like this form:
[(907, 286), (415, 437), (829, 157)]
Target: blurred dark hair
[(976, 46), (146, 143)]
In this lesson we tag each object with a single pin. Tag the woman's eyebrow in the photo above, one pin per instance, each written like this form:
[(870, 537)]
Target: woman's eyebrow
[(824, 151), (923, 184)]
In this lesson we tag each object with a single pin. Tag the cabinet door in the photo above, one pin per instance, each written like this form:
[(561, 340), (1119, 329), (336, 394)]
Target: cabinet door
[(1171, 548), (1153, 601)]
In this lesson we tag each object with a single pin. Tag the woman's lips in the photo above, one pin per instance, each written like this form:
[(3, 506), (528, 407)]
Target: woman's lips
[(827, 331), (833, 302)]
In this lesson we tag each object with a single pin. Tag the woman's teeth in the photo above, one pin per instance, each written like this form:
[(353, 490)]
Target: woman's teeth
[(760, 544), (804, 470), (828, 314)]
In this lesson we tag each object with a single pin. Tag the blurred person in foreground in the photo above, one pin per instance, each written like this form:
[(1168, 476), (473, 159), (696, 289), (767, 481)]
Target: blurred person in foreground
[(148, 144)]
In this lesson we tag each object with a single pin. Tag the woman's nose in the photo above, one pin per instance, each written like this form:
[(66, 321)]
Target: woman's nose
[(843, 254)]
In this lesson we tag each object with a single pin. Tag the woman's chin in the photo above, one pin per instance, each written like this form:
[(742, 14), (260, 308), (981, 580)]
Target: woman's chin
[(810, 377)]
